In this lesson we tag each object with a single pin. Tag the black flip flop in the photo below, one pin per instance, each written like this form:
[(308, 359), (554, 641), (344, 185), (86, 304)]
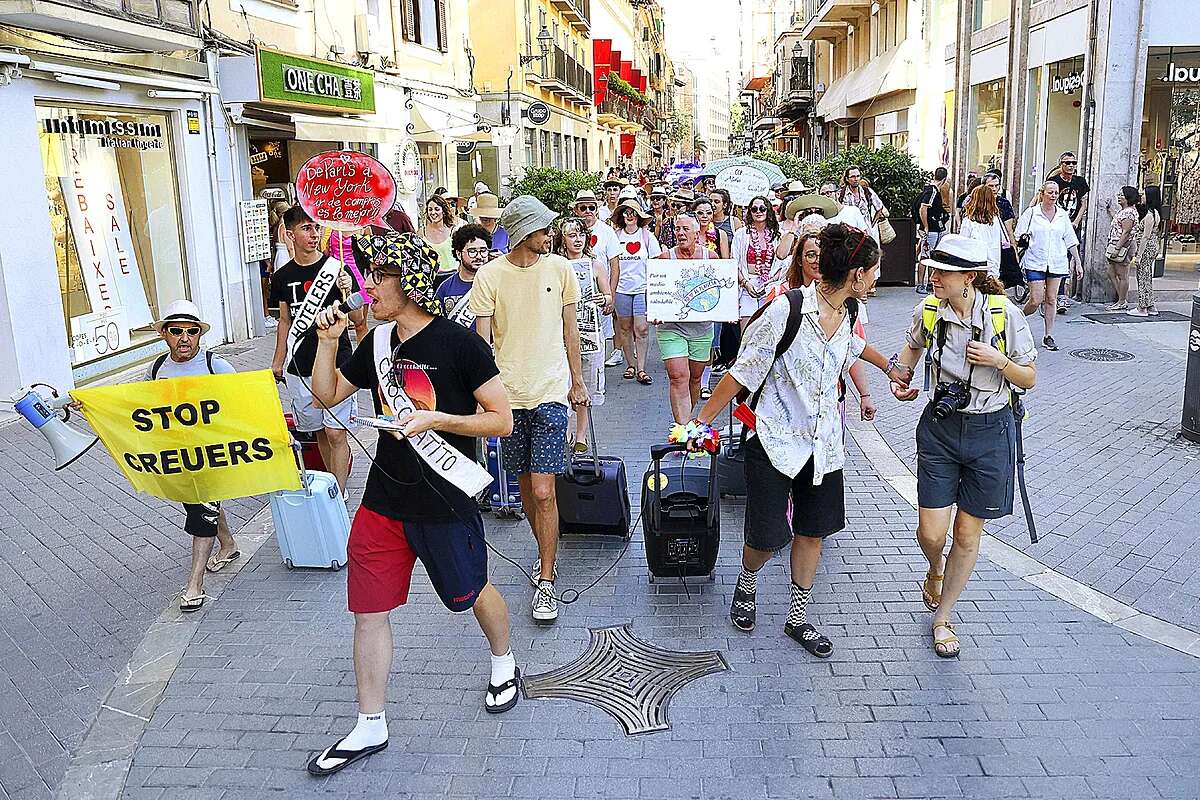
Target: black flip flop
[(496, 691), (314, 768), (810, 639)]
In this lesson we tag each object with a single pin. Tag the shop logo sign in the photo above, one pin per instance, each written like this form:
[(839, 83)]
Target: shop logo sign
[(1067, 84), (1178, 74), (321, 84), (111, 132)]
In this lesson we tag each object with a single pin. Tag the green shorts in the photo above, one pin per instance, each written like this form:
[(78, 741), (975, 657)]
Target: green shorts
[(694, 348)]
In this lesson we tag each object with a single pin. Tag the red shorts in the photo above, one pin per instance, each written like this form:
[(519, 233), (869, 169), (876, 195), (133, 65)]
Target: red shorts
[(383, 551)]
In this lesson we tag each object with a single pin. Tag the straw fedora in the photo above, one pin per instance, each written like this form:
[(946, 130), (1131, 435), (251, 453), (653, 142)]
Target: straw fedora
[(824, 204), (488, 206), (181, 311), (643, 217), (957, 253)]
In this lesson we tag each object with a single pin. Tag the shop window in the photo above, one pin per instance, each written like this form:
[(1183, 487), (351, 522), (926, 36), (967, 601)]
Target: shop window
[(558, 151), (985, 146), (111, 185), (989, 12), (530, 148)]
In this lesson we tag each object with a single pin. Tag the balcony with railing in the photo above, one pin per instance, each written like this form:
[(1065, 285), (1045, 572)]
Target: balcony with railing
[(793, 76), (566, 77), (577, 13), (154, 25), (620, 112), (829, 19)]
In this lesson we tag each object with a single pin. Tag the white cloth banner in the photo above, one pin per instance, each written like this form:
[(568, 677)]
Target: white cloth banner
[(446, 461), (697, 290), (314, 301)]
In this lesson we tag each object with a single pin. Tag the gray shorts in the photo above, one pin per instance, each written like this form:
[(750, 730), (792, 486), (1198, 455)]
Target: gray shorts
[(309, 415), (630, 305), (968, 459)]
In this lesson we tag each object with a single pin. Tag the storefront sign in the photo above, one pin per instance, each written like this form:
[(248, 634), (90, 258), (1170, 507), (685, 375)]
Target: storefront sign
[(1070, 83), (193, 121), (538, 113), (99, 226), (291, 80), (345, 190), (255, 230), (887, 123), (112, 133), (1178, 74), (464, 148), (407, 168), (98, 334), (195, 439)]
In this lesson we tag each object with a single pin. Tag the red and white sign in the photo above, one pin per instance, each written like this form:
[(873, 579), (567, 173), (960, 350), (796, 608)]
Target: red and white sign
[(345, 190)]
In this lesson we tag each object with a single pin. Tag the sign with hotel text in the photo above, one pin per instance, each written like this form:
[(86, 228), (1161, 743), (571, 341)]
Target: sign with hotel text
[(286, 79)]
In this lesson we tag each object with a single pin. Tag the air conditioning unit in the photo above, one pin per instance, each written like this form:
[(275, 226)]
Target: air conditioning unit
[(366, 34)]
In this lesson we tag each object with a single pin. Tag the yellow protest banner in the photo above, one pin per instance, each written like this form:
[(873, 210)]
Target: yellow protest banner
[(196, 439)]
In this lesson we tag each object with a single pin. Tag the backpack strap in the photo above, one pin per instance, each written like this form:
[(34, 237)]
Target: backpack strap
[(158, 362), (998, 307), (208, 357), (795, 314)]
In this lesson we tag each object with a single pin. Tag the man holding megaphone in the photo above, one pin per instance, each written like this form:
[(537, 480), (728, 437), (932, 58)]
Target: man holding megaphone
[(181, 328)]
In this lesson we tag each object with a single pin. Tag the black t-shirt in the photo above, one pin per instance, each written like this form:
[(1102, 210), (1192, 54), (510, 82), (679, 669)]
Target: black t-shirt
[(1070, 192), (289, 284), (936, 213), (444, 363), (1006, 209)]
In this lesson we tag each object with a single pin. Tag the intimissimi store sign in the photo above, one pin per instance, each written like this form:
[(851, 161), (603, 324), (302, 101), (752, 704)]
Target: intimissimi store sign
[(116, 133)]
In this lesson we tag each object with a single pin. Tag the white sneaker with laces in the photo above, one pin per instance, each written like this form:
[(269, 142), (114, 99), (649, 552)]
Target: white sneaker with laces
[(545, 604), (616, 359)]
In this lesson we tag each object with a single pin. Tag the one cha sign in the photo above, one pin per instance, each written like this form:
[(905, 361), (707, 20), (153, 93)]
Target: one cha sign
[(538, 113), (345, 190)]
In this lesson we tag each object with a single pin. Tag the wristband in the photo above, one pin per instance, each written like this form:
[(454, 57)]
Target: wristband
[(699, 434), (892, 363)]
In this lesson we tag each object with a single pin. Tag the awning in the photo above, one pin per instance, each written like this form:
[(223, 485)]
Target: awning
[(344, 129), (892, 73)]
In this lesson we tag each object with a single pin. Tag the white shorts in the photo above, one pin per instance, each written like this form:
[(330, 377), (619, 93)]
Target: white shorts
[(309, 415), (748, 303)]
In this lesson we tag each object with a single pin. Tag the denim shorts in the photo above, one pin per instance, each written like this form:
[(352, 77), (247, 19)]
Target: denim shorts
[(968, 459), (1040, 275), (630, 305), (538, 442)]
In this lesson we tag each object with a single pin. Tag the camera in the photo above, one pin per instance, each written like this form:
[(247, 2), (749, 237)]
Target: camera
[(948, 397)]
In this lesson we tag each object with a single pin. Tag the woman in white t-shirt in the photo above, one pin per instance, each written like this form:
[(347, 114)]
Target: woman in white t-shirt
[(636, 245), (754, 251), (981, 221), (1047, 260)]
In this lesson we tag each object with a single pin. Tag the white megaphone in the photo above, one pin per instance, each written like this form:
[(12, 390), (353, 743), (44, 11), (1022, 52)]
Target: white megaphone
[(41, 410)]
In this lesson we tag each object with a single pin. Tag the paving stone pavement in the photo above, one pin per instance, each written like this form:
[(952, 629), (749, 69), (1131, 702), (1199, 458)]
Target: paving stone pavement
[(1115, 490), (1045, 702), (86, 564)]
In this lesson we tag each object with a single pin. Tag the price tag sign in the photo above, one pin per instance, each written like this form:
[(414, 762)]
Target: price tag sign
[(99, 334)]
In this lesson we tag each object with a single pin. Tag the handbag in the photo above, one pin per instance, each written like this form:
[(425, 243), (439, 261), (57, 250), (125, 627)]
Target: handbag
[(887, 234), (1117, 254)]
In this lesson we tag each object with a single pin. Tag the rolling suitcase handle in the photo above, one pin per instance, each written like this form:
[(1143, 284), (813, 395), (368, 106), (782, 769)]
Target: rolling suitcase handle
[(657, 451), (297, 452), (596, 475)]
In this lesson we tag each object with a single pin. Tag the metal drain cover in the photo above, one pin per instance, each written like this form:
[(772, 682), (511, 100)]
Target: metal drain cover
[(1102, 354), (625, 677)]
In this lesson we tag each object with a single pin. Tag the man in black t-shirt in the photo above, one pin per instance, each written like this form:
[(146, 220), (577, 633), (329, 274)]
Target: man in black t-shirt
[(408, 512), (933, 216), (1072, 197), (289, 287)]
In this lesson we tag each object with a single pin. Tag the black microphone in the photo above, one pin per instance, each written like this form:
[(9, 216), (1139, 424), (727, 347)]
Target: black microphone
[(353, 303)]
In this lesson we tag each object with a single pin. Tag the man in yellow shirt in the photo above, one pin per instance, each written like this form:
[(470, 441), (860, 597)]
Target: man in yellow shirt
[(524, 304)]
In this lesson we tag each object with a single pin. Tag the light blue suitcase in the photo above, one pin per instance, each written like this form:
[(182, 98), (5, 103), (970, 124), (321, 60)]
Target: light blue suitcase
[(311, 524)]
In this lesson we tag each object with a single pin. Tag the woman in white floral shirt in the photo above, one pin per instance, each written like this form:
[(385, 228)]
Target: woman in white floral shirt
[(797, 449)]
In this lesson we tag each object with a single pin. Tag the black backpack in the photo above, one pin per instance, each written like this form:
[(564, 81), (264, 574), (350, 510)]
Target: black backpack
[(158, 362)]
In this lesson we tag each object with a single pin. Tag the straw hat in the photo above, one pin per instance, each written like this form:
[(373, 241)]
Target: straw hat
[(633, 204), (181, 311), (824, 204), (488, 206), (957, 253), (585, 196)]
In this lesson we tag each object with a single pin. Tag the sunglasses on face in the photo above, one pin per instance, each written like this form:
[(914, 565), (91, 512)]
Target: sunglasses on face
[(175, 330), (758, 209), (829, 192), (1069, 163)]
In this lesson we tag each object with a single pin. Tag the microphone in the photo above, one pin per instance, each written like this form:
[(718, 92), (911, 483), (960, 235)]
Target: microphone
[(352, 303)]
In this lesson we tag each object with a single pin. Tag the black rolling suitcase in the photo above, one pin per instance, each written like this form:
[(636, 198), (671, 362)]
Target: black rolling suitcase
[(593, 494), (731, 463), (681, 514)]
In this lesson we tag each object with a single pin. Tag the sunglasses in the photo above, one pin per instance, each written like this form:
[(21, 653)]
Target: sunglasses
[(584, 208), (829, 192), (758, 209), (175, 330), (1069, 163)]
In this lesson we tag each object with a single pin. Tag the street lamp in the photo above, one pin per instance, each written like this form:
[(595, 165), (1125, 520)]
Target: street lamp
[(544, 40)]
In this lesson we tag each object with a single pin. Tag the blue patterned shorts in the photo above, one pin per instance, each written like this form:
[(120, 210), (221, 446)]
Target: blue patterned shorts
[(538, 442)]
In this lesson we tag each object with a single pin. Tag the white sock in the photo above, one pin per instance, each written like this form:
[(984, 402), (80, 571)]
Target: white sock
[(504, 668), (370, 730)]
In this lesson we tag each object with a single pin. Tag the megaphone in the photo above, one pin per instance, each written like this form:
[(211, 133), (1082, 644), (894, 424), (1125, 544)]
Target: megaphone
[(41, 411)]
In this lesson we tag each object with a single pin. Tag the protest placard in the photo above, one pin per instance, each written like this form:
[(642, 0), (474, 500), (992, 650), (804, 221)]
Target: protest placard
[(345, 190), (701, 290), (196, 439)]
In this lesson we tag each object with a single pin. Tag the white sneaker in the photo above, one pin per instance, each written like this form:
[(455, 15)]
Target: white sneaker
[(536, 573), (616, 359), (545, 604)]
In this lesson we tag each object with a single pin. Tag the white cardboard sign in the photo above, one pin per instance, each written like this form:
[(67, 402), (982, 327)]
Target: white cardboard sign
[(700, 290)]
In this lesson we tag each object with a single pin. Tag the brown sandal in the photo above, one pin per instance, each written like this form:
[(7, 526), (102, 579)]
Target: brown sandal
[(946, 647), (644, 378), (932, 600), (629, 374)]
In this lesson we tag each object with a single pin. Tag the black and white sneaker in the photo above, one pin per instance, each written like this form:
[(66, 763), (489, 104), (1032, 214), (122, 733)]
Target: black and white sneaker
[(1049, 343), (744, 609), (545, 604)]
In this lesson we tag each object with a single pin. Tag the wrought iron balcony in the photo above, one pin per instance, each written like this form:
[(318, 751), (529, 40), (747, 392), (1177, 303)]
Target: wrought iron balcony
[(577, 13), (565, 76)]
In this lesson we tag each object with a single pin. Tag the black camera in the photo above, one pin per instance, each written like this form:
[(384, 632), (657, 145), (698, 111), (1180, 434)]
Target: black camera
[(948, 397)]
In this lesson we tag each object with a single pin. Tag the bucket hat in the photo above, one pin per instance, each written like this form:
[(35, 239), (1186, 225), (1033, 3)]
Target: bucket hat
[(523, 216)]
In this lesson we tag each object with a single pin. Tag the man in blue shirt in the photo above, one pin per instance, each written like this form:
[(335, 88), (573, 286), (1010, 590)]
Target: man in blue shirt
[(472, 245)]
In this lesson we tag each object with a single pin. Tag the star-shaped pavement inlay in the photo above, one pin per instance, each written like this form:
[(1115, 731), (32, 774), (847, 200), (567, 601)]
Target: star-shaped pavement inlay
[(628, 678)]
